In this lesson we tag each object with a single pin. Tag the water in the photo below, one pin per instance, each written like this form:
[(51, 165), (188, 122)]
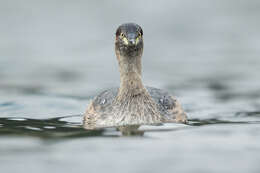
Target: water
[(55, 57)]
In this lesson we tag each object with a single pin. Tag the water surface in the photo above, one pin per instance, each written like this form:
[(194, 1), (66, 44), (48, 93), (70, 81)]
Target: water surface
[(55, 57)]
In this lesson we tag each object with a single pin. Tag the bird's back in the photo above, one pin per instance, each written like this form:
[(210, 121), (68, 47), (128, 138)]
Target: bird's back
[(167, 105)]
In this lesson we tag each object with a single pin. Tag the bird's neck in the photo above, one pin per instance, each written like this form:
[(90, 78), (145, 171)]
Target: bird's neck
[(130, 76)]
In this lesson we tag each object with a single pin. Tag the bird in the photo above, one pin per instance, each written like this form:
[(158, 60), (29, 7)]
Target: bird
[(132, 104)]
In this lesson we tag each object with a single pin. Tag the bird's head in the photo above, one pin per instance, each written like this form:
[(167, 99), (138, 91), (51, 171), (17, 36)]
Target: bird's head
[(129, 40)]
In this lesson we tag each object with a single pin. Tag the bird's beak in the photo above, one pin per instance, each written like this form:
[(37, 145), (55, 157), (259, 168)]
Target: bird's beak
[(132, 41)]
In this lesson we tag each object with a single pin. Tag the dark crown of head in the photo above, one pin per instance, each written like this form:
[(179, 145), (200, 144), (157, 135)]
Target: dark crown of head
[(129, 28)]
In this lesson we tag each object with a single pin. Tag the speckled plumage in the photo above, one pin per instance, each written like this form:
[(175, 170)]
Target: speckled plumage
[(132, 104), (101, 113)]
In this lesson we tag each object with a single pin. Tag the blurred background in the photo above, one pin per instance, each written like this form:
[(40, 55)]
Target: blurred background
[(56, 55)]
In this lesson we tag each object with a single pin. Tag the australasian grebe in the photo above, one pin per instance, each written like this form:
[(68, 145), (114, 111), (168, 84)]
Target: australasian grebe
[(132, 104)]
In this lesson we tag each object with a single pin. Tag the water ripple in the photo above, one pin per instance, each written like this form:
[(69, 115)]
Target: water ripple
[(67, 127)]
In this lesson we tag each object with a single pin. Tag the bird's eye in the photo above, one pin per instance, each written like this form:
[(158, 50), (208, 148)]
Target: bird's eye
[(139, 34), (122, 34)]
